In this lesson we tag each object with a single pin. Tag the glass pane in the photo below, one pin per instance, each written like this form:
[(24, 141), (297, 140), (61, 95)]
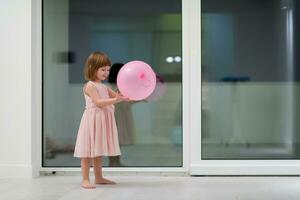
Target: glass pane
[(125, 30), (249, 79)]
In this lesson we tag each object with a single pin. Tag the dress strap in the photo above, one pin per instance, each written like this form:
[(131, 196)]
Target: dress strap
[(93, 83), (97, 85)]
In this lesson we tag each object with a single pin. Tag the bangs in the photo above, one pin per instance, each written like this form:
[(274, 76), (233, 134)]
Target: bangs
[(101, 60)]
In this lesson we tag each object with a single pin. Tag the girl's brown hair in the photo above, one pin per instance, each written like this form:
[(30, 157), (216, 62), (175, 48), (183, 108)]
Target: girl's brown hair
[(95, 61)]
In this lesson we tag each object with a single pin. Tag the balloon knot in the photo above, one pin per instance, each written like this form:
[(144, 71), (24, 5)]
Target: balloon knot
[(142, 76)]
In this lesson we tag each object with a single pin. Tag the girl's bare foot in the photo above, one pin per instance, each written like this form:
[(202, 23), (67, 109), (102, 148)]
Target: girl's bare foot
[(104, 181), (87, 185)]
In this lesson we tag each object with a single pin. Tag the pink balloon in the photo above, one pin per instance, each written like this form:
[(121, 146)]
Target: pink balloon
[(136, 80), (159, 91)]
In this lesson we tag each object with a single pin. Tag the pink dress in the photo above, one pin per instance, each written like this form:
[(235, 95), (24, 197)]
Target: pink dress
[(97, 134)]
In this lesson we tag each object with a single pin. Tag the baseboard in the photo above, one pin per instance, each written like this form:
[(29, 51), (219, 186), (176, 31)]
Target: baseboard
[(16, 171)]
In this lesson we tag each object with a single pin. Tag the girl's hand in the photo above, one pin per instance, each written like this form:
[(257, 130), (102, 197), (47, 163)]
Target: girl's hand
[(120, 98)]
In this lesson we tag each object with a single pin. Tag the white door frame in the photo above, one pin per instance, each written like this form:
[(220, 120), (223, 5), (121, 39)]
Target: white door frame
[(218, 167), (191, 81), (36, 87)]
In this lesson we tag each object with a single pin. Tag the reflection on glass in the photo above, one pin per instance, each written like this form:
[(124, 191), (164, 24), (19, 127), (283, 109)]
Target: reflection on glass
[(249, 87), (125, 30)]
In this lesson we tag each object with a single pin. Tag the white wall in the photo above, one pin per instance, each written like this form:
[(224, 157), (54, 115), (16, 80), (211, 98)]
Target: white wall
[(15, 81)]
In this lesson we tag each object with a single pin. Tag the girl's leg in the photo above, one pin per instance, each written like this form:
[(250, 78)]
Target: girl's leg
[(98, 172), (85, 168)]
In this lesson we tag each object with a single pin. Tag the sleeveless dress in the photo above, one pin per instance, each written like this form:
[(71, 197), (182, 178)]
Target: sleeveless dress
[(97, 134)]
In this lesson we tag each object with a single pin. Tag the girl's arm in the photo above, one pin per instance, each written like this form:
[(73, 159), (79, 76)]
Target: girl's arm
[(91, 91), (111, 93)]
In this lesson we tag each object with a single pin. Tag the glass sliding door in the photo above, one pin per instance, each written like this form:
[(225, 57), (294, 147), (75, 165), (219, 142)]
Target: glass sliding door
[(250, 81), (126, 30)]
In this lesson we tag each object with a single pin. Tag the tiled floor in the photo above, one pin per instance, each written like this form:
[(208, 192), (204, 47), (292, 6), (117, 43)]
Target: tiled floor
[(138, 187)]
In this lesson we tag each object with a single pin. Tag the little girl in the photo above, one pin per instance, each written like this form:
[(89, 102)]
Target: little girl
[(97, 134)]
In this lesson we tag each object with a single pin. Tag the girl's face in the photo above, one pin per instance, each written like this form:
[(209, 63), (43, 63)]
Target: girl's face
[(102, 73)]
